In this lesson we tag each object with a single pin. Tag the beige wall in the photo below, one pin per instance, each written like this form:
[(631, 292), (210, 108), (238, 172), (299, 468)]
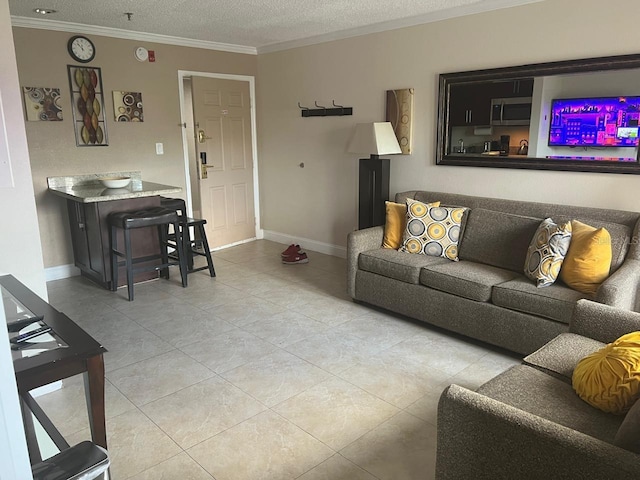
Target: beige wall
[(42, 62), (319, 202), (20, 252)]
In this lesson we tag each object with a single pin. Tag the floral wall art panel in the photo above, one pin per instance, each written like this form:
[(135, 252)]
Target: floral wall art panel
[(88, 106)]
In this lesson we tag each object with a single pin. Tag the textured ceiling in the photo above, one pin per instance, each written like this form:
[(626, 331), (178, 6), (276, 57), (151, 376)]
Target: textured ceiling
[(249, 22)]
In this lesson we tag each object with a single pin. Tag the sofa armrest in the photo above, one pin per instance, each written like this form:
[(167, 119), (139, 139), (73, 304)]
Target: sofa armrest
[(602, 322), (622, 288), (482, 438), (357, 242)]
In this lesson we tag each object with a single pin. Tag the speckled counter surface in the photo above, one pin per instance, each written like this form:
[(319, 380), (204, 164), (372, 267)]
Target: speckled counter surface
[(88, 189)]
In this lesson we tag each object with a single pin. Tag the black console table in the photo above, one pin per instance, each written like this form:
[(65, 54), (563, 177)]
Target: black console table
[(66, 350)]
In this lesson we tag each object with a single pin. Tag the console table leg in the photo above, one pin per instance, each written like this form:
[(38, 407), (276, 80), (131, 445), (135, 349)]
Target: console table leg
[(94, 392)]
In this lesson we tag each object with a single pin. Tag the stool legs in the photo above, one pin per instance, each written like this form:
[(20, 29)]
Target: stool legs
[(113, 245), (182, 254), (207, 252), (129, 259)]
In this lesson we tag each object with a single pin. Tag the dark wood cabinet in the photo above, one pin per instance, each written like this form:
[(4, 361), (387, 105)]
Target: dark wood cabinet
[(90, 237), (470, 105), (522, 87)]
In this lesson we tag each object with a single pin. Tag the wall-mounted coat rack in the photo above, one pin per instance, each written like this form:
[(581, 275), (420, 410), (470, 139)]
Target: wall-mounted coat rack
[(320, 111)]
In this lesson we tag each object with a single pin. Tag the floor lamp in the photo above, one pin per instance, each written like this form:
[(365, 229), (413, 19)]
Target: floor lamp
[(376, 139)]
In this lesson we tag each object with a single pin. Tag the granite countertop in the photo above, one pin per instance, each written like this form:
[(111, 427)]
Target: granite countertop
[(88, 189)]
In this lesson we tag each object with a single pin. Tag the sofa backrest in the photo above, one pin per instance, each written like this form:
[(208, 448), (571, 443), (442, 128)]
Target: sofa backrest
[(497, 238), (622, 225)]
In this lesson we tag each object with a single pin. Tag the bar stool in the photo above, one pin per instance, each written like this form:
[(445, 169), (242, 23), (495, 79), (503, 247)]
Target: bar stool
[(190, 246), (127, 221)]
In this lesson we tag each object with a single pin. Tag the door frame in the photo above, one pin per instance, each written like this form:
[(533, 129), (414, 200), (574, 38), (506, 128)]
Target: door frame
[(254, 138)]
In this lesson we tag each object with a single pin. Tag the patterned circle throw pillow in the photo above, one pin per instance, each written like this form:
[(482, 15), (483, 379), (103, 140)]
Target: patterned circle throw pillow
[(432, 230), (547, 251)]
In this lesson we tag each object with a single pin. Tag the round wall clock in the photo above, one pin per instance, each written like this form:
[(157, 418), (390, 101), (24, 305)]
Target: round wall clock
[(141, 54), (81, 49)]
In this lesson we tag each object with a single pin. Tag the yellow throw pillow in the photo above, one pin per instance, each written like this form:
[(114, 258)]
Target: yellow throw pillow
[(588, 260), (609, 379), (395, 223)]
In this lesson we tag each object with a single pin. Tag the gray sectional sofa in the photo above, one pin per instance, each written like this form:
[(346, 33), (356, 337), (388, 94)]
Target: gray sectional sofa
[(528, 423), (486, 295)]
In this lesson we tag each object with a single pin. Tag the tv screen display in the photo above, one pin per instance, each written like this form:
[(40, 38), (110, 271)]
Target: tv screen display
[(594, 122)]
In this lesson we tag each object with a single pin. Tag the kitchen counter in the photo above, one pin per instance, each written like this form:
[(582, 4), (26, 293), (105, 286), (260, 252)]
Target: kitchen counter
[(89, 205), (88, 189)]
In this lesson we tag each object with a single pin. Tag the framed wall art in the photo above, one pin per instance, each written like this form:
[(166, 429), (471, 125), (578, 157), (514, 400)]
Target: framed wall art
[(127, 106), (87, 106), (42, 104), (400, 114)]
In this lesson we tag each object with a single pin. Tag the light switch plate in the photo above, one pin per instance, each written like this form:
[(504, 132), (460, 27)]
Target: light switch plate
[(159, 149)]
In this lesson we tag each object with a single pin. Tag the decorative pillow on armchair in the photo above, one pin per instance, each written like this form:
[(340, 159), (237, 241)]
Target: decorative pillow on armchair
[(547, 251), (395, 223), (432, 230)]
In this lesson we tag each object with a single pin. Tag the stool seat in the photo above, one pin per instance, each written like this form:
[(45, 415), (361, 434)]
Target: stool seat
[(176, 204), (144, 218)]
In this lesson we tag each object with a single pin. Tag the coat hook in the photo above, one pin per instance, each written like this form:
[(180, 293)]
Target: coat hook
[(341, 107), (324, 109), (301, 107)]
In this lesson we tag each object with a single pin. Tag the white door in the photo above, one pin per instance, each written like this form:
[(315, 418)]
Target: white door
[(222, 118)]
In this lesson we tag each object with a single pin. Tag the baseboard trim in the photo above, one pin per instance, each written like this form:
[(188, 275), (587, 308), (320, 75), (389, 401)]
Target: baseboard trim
[(306, 243), (61, 271)]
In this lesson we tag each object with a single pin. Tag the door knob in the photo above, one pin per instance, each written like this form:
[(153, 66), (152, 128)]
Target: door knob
[(202, 137)]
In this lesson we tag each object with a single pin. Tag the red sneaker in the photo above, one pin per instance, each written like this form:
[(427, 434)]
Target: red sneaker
[(295, 259), (291, 250)]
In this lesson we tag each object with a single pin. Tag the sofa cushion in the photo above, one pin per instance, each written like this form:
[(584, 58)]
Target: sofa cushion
[(620, 237), (497, 238), (546, 252), (561, 355), (432, 230), (588, 260), (397, 265), (536, 392), (555, 301), (609, 379), (466, 279)]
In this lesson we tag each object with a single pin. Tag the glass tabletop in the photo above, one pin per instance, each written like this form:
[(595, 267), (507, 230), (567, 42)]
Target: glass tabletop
[(22, 322)]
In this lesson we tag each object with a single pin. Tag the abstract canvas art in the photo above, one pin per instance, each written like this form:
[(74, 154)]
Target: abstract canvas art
[(400, 114), (88, 106), (127, 106), (42, 104)]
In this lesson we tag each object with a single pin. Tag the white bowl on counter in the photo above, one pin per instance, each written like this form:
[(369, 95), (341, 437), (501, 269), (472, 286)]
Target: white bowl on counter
[(115, 182)]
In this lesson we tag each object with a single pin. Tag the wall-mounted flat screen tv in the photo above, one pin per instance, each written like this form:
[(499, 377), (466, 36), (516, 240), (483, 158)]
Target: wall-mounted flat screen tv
[(594, 122)]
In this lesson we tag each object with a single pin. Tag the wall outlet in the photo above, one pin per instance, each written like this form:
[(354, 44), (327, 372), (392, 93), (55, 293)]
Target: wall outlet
[(159, 149)]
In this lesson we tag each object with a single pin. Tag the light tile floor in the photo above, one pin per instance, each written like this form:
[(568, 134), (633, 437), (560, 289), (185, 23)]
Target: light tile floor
[(267, 371)]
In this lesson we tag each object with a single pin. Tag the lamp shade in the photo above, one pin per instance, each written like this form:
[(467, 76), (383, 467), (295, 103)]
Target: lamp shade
[(377, 138)]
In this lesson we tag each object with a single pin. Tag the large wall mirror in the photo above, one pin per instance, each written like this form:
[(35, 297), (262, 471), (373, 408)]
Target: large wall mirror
[(579, 115)]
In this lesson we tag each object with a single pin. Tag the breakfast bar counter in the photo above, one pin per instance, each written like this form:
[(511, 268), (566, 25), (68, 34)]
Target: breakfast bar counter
[(89, 204), (89, 189)]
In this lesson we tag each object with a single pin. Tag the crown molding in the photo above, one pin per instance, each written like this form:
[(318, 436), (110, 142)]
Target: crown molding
[(43, 24), (465, 10)]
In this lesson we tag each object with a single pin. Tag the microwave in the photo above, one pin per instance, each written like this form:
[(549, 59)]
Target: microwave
[(511, 111)]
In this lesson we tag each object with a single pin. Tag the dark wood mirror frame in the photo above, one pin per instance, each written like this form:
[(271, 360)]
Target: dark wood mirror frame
[(588, 65)]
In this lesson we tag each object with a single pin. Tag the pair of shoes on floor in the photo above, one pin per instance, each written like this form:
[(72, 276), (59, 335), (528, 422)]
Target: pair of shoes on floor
[(294, 255)]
